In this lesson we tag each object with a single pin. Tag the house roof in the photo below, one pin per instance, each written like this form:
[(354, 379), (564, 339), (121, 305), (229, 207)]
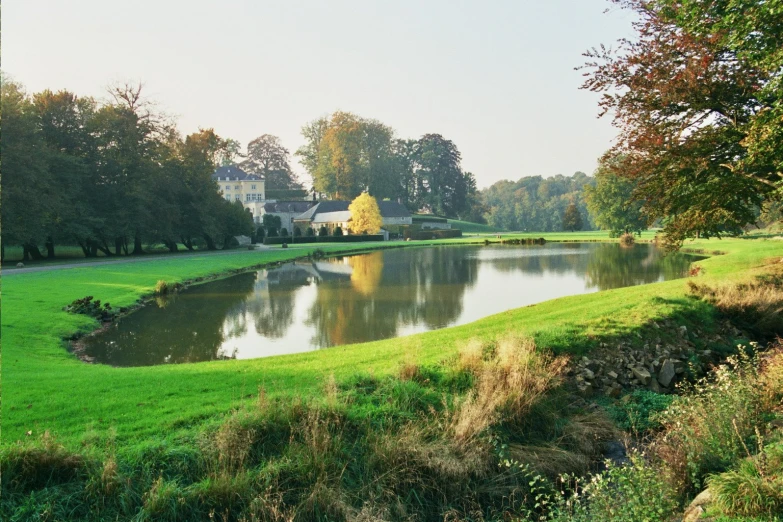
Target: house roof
[(337, 211), (296, 207), (234, 173)]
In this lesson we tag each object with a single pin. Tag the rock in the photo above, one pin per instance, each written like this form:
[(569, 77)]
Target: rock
[(683, 331), (612, 375), (698, 506), (585, 390), (654, 386), (667, 373), (19, 265), (642, 374), (613, 392), (588, 374)]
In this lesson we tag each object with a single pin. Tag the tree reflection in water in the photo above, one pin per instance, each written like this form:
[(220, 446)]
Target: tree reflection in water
[(309, 305)]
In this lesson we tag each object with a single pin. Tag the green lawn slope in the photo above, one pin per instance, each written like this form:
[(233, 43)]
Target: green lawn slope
[(46, 388)]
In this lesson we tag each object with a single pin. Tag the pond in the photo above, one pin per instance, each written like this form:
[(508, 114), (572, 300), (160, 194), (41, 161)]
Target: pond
[(309, 305)]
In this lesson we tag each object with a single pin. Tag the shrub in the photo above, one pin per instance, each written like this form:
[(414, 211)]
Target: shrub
[(272, 232), (309, 232), (635, 492), (709, 427), (88, 306), (297, 232), (161, 287), (337, 232), (639, 410), (284, 232), (323, 231), (627, 239)]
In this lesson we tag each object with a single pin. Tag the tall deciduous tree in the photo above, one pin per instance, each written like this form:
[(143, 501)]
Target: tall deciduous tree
[(572, 219), (612, 204), (267, 156), (27, 182), (365, 215), (698, 99)]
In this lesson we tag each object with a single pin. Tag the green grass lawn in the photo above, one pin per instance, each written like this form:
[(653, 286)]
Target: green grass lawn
[(45, 388)]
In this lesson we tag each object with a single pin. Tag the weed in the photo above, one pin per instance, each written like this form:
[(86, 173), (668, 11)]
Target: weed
[(754, 487)]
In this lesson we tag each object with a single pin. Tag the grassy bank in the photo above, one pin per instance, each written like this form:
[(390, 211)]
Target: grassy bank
[(47, 388), (335, 427)]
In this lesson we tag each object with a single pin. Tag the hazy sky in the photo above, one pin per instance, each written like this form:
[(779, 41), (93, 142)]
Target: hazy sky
[(496, 77)]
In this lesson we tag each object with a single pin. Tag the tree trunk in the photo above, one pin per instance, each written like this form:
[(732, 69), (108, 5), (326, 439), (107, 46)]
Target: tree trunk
[(118, 242), (50, 247), (137, 249), (25, 253), (210, 242), (32, 250), (172, 245), (188, 243), (2, 250)]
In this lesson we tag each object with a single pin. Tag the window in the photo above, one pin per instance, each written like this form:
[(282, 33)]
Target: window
[(237, 197), (228, 187), (247, 197), (253, 187), (228, 197), (236, 187)]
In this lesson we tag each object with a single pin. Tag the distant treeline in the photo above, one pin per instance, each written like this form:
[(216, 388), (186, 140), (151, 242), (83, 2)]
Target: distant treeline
[(537, 204), (109, 177)]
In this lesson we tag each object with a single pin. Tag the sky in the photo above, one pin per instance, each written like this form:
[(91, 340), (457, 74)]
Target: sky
[(495, 76)]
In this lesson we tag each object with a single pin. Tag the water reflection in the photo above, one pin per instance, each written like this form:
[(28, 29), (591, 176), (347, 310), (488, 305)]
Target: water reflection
[(308, 305)]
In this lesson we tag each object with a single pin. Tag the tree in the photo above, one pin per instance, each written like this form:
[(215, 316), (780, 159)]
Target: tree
[(698, 99), (572, 219), (365, 215), (272, 224), (611, 203), (27, 181), (267, 156)]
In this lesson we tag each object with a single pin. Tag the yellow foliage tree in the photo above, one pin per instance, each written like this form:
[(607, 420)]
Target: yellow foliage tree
[(365, 215)]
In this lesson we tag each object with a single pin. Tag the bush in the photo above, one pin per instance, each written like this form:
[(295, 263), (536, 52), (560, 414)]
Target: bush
[(284, 232), (297, 232), (710, 427), (627, 239), (88, 306), (272, 232), (638, 411), (337, 232), (323, 231), (431, 234), (631, 493), (259, 237), (310, 232)]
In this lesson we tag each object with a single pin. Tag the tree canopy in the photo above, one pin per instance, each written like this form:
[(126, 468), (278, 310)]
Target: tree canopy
[(534, 203), (696, 96), (267, 157), (572, 218), (346, 155), (611, 203), (365, 215), (107, 177)]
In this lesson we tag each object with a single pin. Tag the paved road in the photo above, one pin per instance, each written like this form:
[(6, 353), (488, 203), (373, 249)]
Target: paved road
[(11, 270)]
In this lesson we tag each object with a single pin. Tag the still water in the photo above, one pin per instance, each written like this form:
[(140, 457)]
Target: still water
[(305, 306)]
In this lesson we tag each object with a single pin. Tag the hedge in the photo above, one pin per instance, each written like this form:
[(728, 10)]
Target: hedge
[(323, 239), (433, 234)]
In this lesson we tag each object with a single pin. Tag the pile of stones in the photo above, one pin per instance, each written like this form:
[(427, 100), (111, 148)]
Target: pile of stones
[(657, 365)]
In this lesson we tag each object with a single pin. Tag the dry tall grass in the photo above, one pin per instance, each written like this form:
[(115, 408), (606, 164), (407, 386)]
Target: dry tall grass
[(756, 306), (508, 383)]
